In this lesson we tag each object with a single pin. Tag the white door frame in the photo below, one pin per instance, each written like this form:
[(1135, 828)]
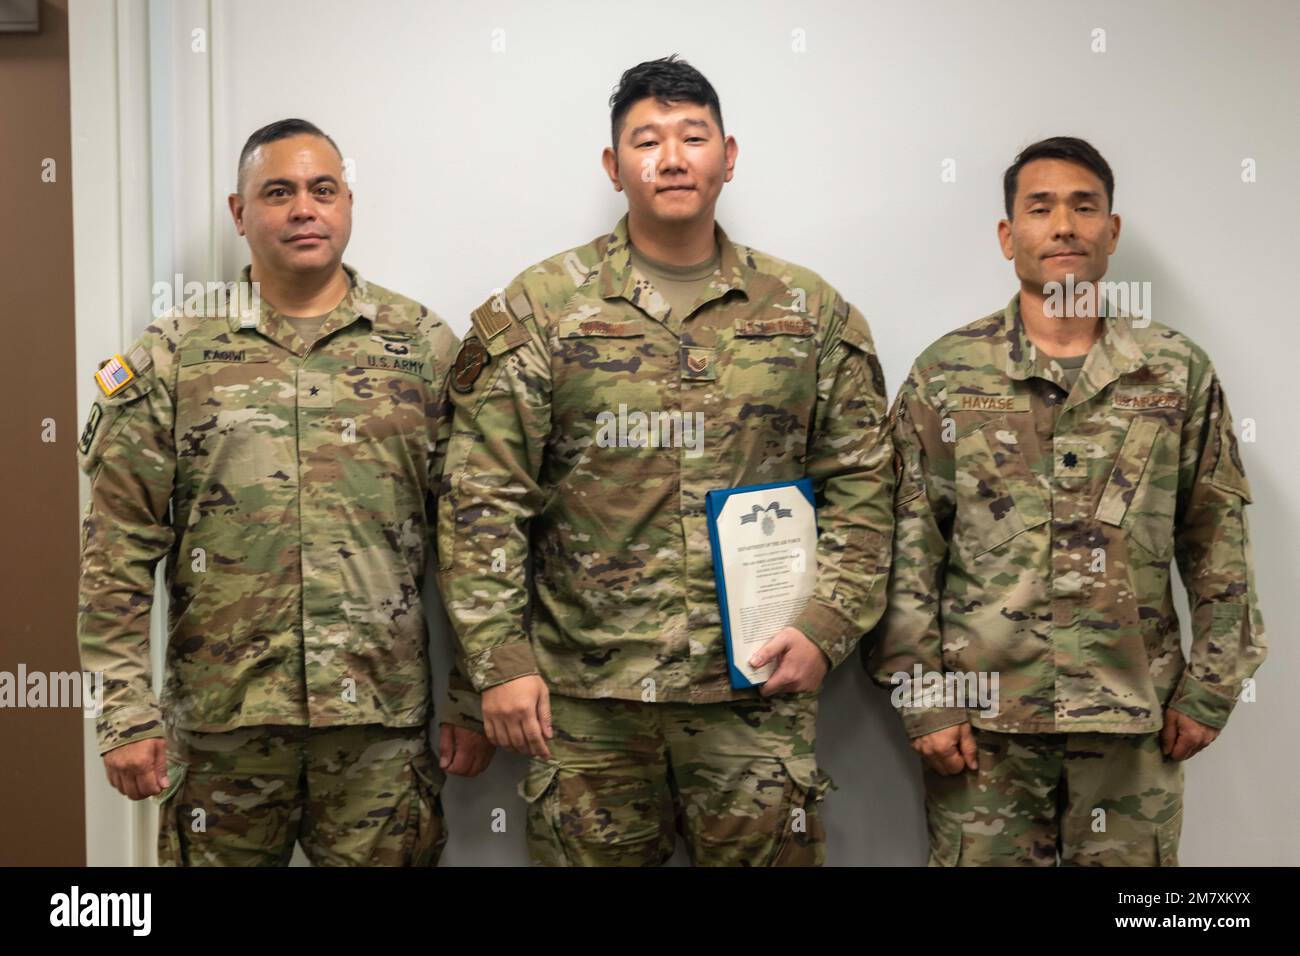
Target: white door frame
[(132, 96)]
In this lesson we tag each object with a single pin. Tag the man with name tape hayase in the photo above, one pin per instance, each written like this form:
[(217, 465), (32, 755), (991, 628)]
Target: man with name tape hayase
[(1052, 464)]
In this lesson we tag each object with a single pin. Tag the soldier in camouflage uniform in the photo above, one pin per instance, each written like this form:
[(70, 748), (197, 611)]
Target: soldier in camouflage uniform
[(608, 666), (1039, 503), (283, 468)]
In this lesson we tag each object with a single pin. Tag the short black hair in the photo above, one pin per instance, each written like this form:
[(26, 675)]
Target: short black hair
[(668, 80), (1069, 148), (272, 132)]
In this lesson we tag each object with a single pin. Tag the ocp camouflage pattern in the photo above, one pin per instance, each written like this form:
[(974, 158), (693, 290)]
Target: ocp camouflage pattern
[(738, 779), (288, 491), (1035, 532), (783, 376)]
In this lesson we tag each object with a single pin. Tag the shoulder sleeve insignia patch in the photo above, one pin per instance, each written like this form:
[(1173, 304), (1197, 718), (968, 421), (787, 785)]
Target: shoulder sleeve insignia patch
[(92, 426), (469, 365), (877, 375)]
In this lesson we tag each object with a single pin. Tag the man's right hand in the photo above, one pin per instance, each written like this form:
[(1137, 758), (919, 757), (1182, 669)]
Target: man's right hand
[(517, 715), (948, 751), (138, 770)]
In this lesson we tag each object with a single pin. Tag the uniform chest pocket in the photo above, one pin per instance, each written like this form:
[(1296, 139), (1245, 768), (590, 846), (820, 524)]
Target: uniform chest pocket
[(381, 381), (1142, 492), (774, 360), (590, 349), (233, 426), (228, 376), (382, 398), (998, 496)]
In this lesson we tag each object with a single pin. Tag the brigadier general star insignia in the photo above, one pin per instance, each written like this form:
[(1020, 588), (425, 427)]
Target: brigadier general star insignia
[(471, 361)]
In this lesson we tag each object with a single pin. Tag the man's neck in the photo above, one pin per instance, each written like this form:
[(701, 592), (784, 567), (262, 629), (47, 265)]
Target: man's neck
[(302, 295), (1052, 335), (674, 244)]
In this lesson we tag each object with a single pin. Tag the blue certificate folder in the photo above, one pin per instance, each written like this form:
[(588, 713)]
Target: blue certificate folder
[(713, 502)]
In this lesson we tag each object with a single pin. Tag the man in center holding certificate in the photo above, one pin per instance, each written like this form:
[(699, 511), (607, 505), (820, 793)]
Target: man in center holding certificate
[(599, 398)]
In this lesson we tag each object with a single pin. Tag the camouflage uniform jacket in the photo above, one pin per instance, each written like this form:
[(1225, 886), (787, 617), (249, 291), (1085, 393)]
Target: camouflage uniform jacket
[(1034, 532), (782, 374), (289, 491)]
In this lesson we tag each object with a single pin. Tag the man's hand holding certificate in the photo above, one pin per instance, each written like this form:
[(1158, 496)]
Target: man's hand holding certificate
[(764, 541), (800, 664)]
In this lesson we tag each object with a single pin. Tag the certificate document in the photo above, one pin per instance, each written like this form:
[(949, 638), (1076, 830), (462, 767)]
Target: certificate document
[(764, 540)]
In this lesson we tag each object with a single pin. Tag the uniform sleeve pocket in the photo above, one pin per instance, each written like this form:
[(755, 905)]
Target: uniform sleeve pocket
[(1226, 621), (1229, 474)]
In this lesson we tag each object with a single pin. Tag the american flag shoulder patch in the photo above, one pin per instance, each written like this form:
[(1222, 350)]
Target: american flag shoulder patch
[(113, 375)]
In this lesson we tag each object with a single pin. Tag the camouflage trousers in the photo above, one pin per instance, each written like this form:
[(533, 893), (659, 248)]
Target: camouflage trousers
[(738, 780), (1083, 799), (352, 796)]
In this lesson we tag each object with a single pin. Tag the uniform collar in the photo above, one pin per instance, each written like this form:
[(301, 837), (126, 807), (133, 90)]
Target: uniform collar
[(357, 304), (619, 278), (1116, 353)]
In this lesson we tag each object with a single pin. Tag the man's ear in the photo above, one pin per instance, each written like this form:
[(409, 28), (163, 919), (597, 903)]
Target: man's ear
[(609, 159), (1004, 239), (236, 204), (1114, 235)]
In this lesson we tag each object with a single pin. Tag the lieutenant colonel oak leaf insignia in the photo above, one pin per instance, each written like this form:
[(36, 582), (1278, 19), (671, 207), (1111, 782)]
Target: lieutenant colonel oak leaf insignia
[(470, 362), (114, 375)]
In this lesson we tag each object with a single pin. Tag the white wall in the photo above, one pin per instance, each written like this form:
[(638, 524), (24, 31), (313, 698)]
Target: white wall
[(477, 153)]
